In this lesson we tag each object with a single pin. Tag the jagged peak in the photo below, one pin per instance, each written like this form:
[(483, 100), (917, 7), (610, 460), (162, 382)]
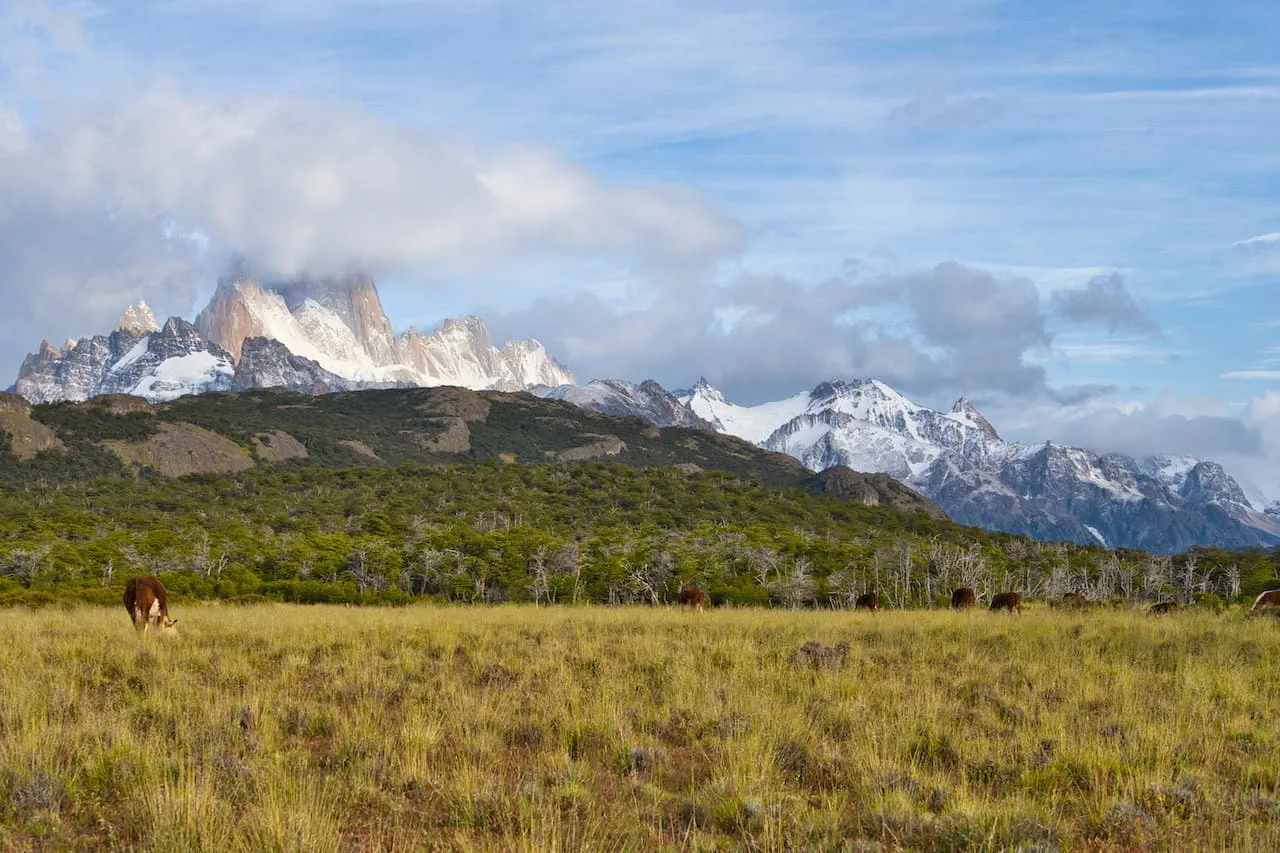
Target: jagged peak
[(138, 319), (706, 391), (964, 410), (176, 327), (858, 394)]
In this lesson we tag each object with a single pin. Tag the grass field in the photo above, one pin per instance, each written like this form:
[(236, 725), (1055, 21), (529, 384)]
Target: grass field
[(325, 728)]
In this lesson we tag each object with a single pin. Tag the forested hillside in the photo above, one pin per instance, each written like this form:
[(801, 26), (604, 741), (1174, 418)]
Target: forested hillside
[(487, 497)]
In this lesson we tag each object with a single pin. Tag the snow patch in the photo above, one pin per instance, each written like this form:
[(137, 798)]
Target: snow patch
[(194, 373)]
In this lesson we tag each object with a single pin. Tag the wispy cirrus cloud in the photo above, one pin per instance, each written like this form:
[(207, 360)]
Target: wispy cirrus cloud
[(1260, 242)]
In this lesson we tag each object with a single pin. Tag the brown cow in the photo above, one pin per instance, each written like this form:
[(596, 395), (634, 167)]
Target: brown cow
[(1267, 601), (869, 600), (963, 597), (693, 598), (1010, 601), (147, 602), (1163, 608)]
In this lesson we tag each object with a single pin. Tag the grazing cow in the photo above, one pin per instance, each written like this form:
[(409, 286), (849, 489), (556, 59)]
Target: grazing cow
[(693, 598), (1163, 608), (963, 597), (1073, 601), (869, 600), (147, 602), (1267, 601), (1010, 601)]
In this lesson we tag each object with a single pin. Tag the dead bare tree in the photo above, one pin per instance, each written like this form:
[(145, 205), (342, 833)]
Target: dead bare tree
[(567, 562), (539, 579), (798, 588), (843, 587), (359, 571), (23, 564)]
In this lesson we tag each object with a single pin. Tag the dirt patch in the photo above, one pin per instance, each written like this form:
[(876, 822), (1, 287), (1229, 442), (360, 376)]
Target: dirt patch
[(606, 445), (454, 436), (278, 446), (182, 448), (450, 402), (359, 447), (29, 436)]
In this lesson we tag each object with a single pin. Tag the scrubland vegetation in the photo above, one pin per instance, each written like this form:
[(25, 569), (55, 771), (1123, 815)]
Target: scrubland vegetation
[(520, 727), (559, 533)]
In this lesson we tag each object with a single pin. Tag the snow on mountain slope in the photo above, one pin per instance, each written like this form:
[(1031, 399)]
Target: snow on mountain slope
[(754, 423), (179, 375), (648, 400)]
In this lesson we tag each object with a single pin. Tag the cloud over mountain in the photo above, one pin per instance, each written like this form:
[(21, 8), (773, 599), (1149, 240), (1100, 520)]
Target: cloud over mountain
[(142, 195)]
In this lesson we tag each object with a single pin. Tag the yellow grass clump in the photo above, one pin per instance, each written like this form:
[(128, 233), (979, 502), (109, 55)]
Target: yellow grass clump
[(326, 728)]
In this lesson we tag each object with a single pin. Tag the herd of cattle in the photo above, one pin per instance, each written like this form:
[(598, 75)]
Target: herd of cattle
[(147, 602), (964, 597)]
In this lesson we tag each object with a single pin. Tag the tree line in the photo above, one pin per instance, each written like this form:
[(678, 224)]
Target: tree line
[(545, 533)]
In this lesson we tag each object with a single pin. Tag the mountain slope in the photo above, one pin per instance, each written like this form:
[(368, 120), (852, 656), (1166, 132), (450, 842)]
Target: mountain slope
[(112, 435), (648, 400)]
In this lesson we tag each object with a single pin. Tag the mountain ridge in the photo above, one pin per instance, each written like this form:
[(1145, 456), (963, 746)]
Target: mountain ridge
[(329, 334), (1046, 491)]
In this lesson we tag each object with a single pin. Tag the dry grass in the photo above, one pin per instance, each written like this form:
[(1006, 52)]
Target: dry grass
[(281, 727)]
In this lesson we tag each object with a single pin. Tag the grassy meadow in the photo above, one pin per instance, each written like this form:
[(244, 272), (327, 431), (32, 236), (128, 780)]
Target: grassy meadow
[(282, 727)]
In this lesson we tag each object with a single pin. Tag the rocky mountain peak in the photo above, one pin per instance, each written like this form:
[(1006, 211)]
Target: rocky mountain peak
[(470, 327), (178, 328), (138, 320), (705, 391), (965, 412), (1208, 482), (229, 317)]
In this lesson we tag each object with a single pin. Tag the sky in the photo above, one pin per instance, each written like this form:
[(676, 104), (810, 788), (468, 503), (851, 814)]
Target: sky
[(1067, 213)]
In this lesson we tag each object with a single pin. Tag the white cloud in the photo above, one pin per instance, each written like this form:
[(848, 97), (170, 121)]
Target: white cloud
[(1259, 242), (1252, 374), (86, 199)]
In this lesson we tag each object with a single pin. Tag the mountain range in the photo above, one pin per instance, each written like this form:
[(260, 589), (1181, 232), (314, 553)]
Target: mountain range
[(1046, 491), (308, 335), (322, 335)]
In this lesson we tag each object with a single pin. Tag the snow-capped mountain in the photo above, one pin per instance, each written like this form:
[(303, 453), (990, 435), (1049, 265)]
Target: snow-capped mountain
[(648, 400), (310, 335), (340, 325), (137, 358), (1046, 491)]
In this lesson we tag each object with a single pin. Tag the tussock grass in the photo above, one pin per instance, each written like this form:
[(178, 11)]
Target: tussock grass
[(325, 728)]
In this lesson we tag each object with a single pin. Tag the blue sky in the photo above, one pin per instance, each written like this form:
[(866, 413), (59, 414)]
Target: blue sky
[(1059, 210)]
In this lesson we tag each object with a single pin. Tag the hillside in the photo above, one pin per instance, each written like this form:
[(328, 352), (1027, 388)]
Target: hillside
[(486, 496), (225, 432)]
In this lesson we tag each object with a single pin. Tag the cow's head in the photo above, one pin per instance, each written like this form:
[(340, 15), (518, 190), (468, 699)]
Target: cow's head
[(168, 627)]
